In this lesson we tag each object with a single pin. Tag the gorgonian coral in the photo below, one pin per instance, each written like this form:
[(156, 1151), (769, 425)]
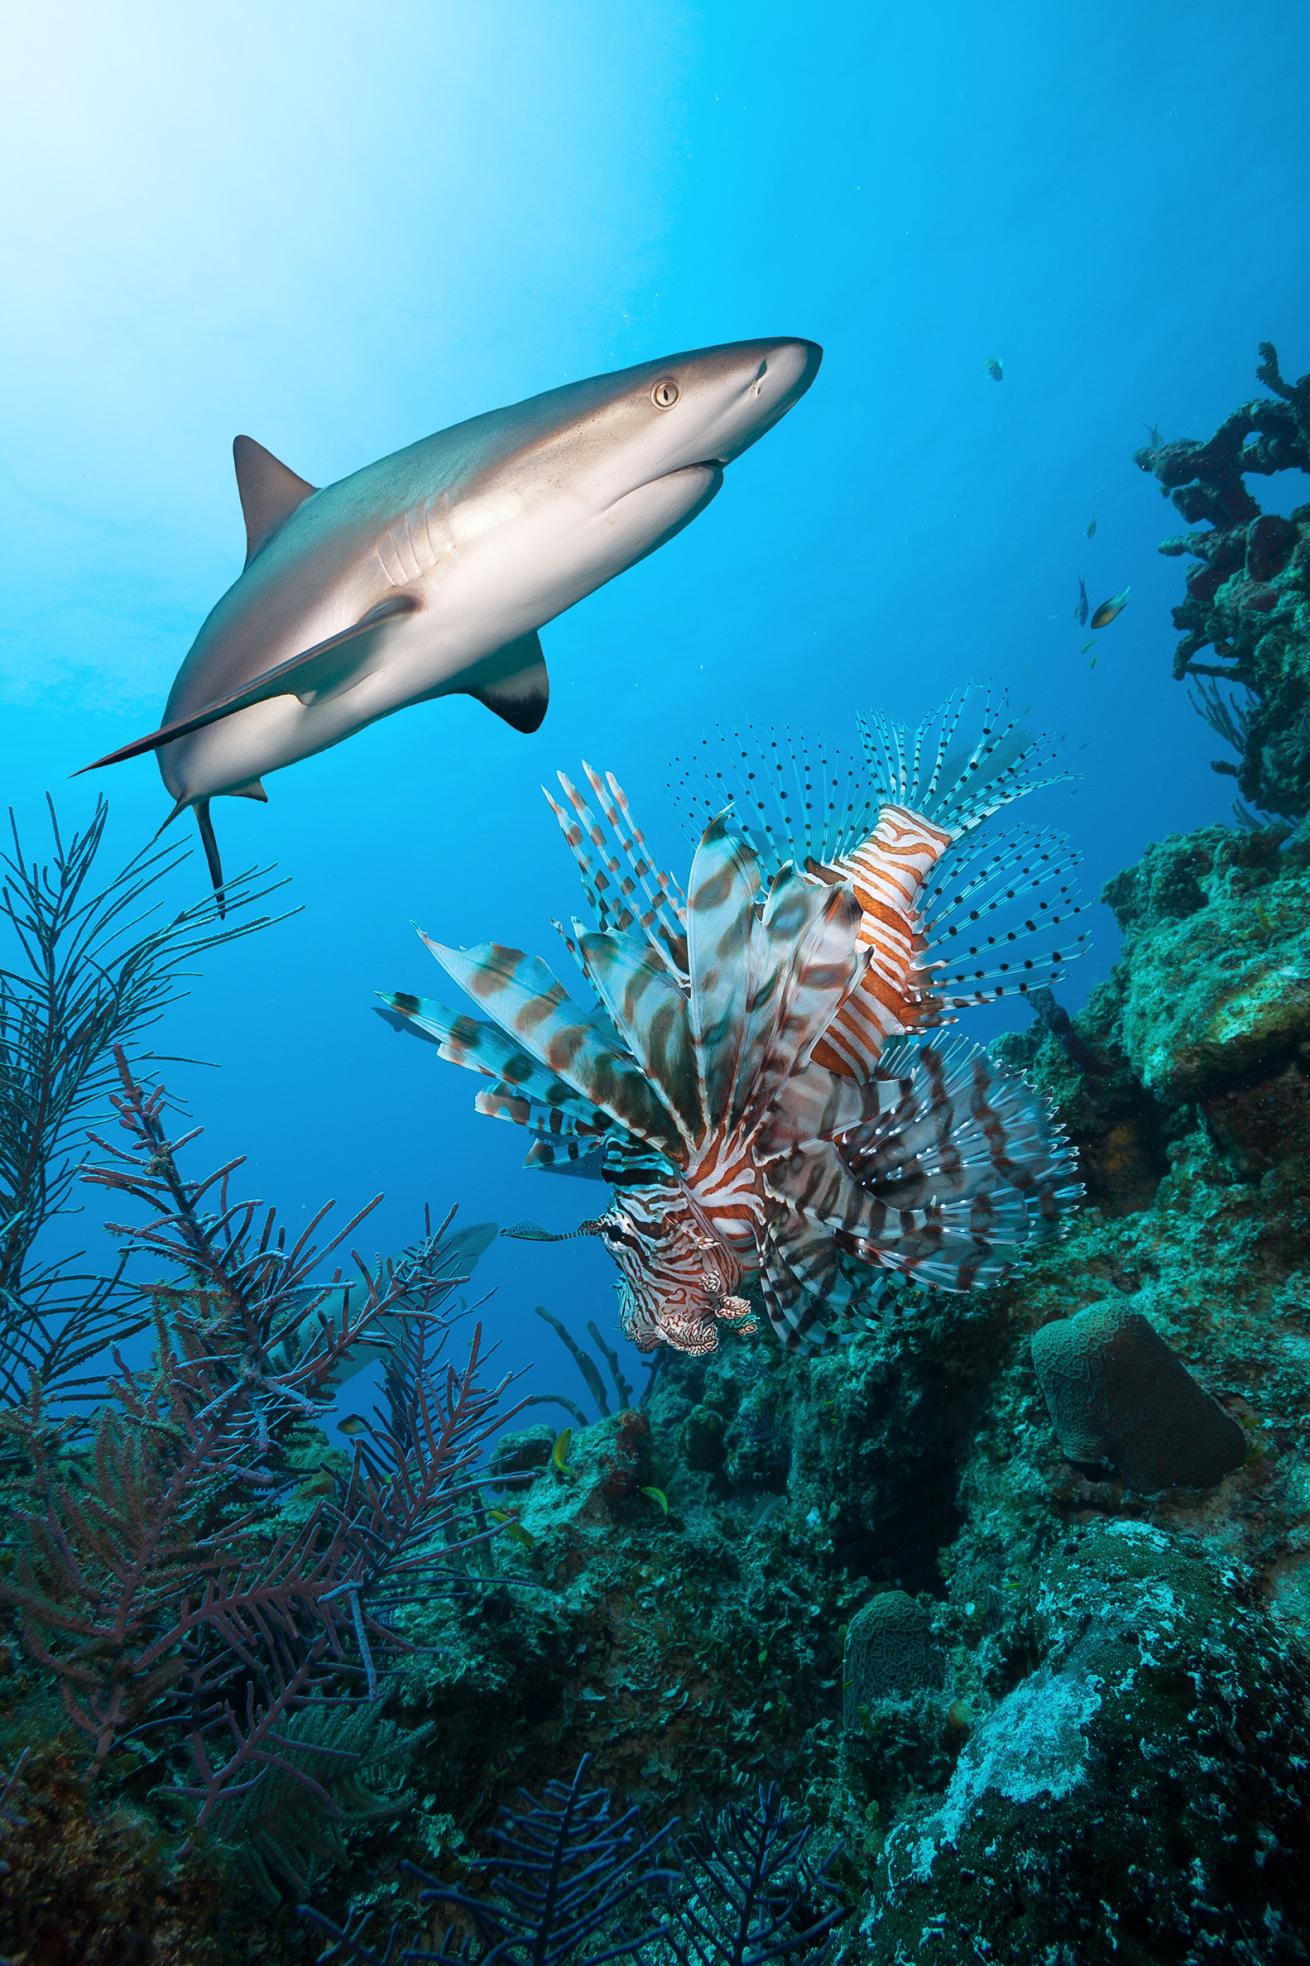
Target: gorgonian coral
[(87, 962), (199, 1632)]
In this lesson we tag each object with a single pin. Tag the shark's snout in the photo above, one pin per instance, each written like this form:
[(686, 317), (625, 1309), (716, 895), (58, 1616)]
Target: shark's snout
[(793, 366), (758, 382)]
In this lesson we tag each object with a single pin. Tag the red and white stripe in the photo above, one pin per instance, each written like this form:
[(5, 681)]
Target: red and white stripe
[(887, 873)]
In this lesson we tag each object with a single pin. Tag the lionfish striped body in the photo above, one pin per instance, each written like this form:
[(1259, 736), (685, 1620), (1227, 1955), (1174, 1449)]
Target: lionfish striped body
[(754, 1077)]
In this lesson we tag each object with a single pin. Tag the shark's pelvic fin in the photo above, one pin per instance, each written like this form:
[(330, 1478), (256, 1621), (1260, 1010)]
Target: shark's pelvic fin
[(513, 682), (313, 673), (254, 790), (268, 490), (164, 824), (212, 860)]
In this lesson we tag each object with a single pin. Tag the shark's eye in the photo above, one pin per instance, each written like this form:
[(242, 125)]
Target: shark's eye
[(665, 393)]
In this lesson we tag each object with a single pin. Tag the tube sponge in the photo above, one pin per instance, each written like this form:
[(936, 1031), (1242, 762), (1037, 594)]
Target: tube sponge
[(1118, 1393)]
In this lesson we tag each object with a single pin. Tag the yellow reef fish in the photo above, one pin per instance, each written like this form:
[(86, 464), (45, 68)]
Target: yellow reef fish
[(1111, 609)]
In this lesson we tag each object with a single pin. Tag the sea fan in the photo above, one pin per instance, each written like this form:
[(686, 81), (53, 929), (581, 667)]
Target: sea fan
[(351, 1945), (353, 1764), (575, 1883), (752, 1895), (243, 1325), (568, 1873), (154, 1576)]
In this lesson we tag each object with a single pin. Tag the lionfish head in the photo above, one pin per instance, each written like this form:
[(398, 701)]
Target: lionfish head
[(677, 1281)]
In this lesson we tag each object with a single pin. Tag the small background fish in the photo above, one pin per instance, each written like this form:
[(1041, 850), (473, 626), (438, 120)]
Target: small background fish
[(1109, 610)]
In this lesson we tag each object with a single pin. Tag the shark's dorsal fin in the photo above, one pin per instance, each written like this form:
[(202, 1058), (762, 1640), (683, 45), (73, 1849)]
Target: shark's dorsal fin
[(513, 682), (268, 490)]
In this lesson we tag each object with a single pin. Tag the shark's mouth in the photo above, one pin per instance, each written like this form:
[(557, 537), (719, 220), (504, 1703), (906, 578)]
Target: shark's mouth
[(677, 495), (706, 467)]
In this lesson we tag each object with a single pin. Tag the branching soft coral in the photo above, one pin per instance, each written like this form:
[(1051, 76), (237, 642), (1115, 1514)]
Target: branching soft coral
[(247, 1332), (575, 1882), (568, 1869), (752, 1893), (154, 1580), (87, 964)]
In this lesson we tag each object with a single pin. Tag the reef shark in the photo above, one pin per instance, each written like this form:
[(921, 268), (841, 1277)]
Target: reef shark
[(430, 572)]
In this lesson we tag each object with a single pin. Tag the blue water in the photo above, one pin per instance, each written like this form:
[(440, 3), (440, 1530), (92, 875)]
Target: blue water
[(340, 228)]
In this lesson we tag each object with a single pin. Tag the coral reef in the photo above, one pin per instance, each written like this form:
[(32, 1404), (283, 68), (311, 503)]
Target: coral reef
[(1248, 596), (1051, 1708), (1033, 1704)]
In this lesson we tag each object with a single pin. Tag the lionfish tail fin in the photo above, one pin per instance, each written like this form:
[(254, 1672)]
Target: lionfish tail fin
[(952, 1171), (961, 1174)]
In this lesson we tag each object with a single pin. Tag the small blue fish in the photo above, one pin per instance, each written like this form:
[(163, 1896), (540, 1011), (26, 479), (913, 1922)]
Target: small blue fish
[(1080, 613), (994, 367)]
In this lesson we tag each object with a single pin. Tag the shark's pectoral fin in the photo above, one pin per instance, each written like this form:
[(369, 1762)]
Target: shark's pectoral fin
[(313, 673), (268, 491), (513, 682)]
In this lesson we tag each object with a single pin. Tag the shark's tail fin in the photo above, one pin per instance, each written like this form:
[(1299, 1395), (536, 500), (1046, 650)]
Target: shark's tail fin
[(212, 860)]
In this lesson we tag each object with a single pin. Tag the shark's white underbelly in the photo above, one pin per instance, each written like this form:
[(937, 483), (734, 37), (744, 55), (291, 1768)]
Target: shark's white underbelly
[(490, 588)]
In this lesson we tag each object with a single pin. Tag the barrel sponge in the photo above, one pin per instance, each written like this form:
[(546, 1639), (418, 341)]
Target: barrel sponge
[(890, 1654), (1117, 1393)]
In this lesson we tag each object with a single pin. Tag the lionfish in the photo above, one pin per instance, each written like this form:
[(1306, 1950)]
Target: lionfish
[(756, 1074)]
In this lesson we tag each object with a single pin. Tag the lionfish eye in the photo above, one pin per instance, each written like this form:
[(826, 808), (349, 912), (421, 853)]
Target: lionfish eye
[(665, 393), (616, 1237)]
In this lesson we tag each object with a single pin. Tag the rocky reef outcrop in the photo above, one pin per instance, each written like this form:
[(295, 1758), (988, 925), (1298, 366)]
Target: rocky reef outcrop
[(1248, 595)]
